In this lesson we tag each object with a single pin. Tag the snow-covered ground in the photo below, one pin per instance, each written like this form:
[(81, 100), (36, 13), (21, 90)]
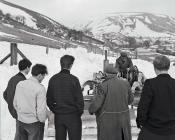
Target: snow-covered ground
[(84, 67)]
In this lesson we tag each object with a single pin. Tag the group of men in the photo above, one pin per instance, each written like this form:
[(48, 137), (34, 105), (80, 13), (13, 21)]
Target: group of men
[(28, 100)]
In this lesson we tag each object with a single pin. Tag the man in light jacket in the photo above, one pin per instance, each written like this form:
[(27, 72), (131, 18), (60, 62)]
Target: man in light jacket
[(30, 104)]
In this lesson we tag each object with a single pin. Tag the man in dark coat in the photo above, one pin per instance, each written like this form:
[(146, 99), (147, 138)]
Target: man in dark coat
[(65, 100), (123, 63), (24, 68), (156, 109), (110, 106)]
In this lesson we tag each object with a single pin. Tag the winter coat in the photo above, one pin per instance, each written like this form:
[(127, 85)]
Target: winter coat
[(156, 109), (64, 95), (10, 92), (110, 105)]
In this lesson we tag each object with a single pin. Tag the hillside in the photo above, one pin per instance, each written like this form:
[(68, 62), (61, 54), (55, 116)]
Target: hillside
[(118, 26), (21, 25), (18, 16), (113, 31)]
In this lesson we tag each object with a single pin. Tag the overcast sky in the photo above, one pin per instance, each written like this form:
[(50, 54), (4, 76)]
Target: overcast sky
[(72, 12)]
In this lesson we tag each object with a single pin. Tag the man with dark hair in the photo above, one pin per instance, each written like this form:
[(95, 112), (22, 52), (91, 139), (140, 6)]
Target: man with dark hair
[(23, 64), (155, 113), (30, 104), (65, 100), (24, 68), (66, 61)]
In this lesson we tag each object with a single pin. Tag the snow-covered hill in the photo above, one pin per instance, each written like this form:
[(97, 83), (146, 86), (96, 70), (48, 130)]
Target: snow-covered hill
[(139, 24), (21, 25), (19, 16)]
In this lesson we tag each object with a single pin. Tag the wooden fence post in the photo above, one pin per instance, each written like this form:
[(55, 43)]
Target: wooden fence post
[(13, 55), (105, 62), (47, 50), (13, 49)]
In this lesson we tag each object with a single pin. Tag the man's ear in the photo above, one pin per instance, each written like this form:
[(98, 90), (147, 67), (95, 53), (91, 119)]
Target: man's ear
[(39, 76), (71, 66)]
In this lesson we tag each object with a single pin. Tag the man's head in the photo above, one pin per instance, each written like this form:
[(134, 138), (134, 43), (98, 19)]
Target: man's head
[(66, 62), (24, 65), (39, 71), (123, 54), (109, 69), (161, 63)]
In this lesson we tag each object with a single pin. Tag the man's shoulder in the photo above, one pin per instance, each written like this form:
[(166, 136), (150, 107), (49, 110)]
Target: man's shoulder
[(118, 79), (151, 81), (123, 81), (15, 79), (54, 76), (31, 84), (74, 77), (41, 88), (18, 76), (23, 82)]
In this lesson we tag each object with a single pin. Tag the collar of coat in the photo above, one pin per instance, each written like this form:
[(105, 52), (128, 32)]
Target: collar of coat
[(109, 76), (65, 71), (21, 74)]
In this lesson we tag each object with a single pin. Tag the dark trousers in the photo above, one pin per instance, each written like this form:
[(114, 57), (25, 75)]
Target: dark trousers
[(147, 135), (70, 124), (17, 131), (32, 131)]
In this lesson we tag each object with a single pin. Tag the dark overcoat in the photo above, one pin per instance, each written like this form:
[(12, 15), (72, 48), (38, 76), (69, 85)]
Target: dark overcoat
[(110, 105), (10, 92), (156, 109)]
